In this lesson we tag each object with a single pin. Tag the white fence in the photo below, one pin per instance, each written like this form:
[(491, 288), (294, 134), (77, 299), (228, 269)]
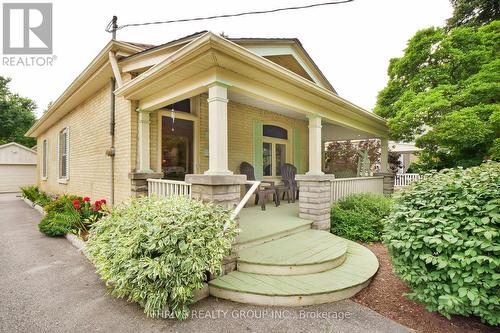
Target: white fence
[(343, 187), (405, 179), (166, 188)]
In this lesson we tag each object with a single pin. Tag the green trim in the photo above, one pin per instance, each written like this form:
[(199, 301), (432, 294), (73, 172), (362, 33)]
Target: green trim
[(257, 149), (296, 149)]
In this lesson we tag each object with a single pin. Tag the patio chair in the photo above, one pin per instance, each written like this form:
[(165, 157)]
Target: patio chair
[(262, 191), (288, 172)]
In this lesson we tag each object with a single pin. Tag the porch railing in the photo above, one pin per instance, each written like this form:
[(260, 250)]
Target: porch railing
[(405, 179), (343, 187), (166, 188)]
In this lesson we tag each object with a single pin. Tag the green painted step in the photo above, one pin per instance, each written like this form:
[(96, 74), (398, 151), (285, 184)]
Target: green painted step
[(335, 284), (258, 226), (306, 252)]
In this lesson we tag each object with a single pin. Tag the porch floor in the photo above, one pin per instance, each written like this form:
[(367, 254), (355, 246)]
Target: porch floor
[(257, 225)]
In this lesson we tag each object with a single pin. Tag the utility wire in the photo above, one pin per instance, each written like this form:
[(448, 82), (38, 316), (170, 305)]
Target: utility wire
[(112, 28)]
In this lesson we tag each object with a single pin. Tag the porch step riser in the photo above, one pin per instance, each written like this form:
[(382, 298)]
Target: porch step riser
[(270, 238), (294, 300), (290, 270)]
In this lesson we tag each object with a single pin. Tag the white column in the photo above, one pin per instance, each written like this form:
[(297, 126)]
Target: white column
[(143, 141), (384, 155), (314, 146), (217, 130)]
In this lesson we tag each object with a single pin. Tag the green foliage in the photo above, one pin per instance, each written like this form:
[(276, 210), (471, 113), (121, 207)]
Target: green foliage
[(61, 204), (359, 216), (59, 223), (473, 12), (36, 196), (16, 116), (444, 94), (443, 237), (157, 251)]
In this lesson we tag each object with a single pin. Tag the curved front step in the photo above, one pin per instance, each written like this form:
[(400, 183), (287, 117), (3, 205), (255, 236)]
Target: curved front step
[(306, 252), (298, 290)]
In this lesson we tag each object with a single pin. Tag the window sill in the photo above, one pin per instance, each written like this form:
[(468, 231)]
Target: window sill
[(43, 179), (63, 181)]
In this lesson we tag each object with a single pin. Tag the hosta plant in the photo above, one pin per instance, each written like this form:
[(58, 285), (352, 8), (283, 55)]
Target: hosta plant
[(157, 251), (443, 237)]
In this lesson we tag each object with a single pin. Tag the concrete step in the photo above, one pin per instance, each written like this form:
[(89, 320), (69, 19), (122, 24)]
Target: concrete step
[(306, 252)]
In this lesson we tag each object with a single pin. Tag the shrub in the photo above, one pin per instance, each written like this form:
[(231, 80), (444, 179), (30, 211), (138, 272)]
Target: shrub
[(36, 196), (61, 203), (157, 251), (59, 223), (359, 216), (444, 241)]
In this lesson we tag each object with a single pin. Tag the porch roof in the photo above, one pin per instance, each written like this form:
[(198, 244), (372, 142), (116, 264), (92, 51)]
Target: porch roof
[(211, 58)]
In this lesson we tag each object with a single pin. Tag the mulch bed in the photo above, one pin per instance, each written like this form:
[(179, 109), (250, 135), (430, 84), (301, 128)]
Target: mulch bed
[(385, 296)]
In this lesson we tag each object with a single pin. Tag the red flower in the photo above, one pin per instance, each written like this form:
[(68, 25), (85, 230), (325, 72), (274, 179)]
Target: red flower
[(86, 199), (97, 203), (76, 202), (77, 207), (103, 201)]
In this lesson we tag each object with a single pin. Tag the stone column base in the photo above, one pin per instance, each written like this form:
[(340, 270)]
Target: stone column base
[(224, 191), (314, 199), (139, 184), (388, 187)]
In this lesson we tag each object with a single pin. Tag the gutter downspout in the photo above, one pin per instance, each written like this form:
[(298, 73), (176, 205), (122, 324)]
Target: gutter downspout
[(111, 150)]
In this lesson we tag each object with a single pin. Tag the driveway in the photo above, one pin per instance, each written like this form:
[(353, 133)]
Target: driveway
[(46, 285)]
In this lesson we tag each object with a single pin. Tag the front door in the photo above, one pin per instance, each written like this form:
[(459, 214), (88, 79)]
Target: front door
[(177, 147)]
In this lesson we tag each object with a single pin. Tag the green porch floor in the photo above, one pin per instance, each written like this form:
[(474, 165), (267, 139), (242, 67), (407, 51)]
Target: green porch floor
[(257, 224)]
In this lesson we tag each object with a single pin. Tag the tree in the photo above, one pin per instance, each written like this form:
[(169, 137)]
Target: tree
[(16, 115), (444, 94), (473, 12)]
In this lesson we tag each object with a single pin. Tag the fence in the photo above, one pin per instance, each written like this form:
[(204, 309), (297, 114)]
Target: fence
[(405, 179)]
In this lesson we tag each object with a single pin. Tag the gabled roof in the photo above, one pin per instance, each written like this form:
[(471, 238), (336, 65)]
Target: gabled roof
[(15, 144)]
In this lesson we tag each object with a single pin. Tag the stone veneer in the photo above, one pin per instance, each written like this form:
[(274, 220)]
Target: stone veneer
[(139, 183), (224, 190), (315, 199), (388, 187)]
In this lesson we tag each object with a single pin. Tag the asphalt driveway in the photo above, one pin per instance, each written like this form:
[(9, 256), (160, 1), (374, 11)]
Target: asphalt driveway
[(46, 285)]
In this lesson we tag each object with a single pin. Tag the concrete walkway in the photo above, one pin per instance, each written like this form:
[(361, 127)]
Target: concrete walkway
[(47, 286)]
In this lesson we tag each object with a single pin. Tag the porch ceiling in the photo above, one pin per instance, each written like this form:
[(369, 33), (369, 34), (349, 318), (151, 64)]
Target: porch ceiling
[(210, 58)]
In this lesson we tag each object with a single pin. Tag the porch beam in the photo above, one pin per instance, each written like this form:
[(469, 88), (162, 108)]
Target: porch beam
[(315, 142), (217, 130), (143, 145)]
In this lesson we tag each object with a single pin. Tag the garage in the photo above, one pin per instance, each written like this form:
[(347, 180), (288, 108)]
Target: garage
[(17, 167)]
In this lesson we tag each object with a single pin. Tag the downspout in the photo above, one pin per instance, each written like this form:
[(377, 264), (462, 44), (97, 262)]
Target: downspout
[(111, 151)]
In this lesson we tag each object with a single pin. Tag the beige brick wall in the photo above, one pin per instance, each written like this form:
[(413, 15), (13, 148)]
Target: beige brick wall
[(89, 167), (240, 136)]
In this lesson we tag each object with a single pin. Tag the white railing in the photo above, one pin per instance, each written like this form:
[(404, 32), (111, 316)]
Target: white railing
[(166, 188), (343, 187), (255, 184), (405, 179)]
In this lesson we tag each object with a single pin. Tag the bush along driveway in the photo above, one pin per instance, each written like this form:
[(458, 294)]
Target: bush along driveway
[(48, 286)]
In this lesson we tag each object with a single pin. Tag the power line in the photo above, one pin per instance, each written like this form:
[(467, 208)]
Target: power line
[(113, 27)]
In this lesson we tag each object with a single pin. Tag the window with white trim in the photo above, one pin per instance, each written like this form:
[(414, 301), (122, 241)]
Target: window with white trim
[(63, 154), (45, 159), (274, 148)]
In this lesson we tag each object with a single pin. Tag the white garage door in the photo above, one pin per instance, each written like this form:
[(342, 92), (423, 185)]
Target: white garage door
[(14, 176)]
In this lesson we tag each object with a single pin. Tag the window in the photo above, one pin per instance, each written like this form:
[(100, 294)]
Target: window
[(63, 154), (44, 159), (275, 132), (274, 149), (182, 106)]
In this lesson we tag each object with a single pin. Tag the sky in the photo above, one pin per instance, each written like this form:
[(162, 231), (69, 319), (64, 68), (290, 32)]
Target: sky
[(351, 43)]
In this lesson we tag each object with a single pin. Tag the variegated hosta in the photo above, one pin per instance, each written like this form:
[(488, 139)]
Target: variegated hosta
[(443, 237), (157, 251)]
